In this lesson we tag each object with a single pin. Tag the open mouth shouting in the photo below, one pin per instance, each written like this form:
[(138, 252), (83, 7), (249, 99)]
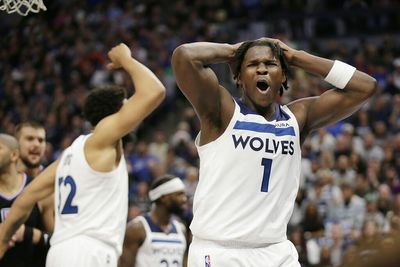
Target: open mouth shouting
[(262, 86)]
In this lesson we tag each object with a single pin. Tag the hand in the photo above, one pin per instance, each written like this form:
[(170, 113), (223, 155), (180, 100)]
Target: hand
[(3, 249), (3, 245), (288, 51), (18, 236), (233, 64), (117, 55)]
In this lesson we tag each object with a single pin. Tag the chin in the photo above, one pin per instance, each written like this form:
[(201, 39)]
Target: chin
[(265, 102)]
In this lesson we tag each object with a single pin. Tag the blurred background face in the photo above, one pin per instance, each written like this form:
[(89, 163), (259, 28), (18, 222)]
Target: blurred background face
[(176, 202), (32, 142)]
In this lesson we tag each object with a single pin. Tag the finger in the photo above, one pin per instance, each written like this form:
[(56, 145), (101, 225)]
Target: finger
[(110, 66)]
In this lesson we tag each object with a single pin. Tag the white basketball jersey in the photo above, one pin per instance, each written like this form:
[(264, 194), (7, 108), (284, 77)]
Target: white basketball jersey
[(88, 202), (249, 178), (160, 249)]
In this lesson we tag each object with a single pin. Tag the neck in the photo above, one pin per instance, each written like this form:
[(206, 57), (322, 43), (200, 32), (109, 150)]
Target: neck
[(160, 216), (267, 112), (10, 181), (31, 172)]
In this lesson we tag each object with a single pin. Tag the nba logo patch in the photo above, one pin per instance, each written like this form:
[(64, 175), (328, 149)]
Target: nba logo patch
[(207, 261)]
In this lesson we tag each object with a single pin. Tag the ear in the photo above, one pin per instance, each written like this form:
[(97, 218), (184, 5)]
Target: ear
[(284, 78), (15, 155), (239, 82)]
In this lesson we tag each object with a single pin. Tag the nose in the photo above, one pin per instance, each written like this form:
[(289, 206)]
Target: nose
[(184, 198), (36, 142), (262, 69)]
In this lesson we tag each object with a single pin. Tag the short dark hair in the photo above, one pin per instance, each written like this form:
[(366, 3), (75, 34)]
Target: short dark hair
[(277, 51), (102, 102), (32, 124)]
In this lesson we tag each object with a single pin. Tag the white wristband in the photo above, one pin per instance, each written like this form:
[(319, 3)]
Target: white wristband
[(340, 74)]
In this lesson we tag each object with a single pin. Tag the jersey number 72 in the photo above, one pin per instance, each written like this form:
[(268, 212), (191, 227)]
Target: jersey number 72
[(67, 207)]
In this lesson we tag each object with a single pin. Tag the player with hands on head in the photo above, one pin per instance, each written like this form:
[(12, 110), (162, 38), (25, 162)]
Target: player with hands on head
[(250, 147), (90, 180)]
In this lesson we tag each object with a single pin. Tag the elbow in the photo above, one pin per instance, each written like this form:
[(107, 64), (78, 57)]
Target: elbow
[(180, 55), (372, 87), (161, 93)]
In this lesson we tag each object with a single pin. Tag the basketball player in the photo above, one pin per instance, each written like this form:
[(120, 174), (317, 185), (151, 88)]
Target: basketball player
[(90, 180), (155, 239), (31, 138), (29, 240), (249, 148)]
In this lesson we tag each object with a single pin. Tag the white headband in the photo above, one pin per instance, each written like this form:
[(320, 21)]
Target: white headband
[(169, 187)]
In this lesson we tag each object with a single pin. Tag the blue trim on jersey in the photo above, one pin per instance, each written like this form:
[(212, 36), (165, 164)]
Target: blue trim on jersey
[(166, 241), (279, 114), (154, 228), (264, 128)]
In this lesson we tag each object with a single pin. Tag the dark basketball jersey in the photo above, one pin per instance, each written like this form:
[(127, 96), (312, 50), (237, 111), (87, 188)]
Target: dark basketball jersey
[(22, 255)]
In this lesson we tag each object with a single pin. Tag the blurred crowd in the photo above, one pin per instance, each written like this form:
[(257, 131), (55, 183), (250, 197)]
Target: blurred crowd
[(349, 201)]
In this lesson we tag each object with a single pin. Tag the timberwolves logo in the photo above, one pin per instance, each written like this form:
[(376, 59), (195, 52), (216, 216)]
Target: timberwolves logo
[(207, 261)]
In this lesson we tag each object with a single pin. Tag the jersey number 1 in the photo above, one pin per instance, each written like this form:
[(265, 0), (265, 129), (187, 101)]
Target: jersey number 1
[(267, 163), (68, 208)]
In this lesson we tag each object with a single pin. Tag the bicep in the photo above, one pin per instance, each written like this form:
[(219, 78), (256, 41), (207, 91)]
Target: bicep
[(330, 107), (43, 185), (134, 237), (337, 104), (128, 256), (197, 82), (46, 207), (113, 127)]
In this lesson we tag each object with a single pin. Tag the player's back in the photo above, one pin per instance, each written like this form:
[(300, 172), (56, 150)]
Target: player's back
[(249, 177), (161, 249), (88, 202)]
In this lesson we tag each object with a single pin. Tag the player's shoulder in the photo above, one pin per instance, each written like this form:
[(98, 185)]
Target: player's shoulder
[(300, 109), (136, 222), (135, 229)]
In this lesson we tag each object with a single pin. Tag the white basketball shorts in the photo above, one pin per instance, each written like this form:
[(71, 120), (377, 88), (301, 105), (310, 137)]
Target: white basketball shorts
[(81, 251), (203, 253)]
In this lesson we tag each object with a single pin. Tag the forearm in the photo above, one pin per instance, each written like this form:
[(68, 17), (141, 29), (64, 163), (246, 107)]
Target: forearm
[(359, 82), (145, 81), (127, 259), (312, 64), (15, 218), (207, 53)]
